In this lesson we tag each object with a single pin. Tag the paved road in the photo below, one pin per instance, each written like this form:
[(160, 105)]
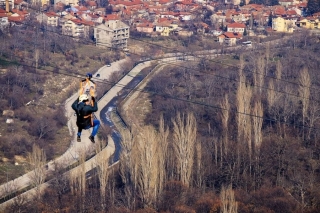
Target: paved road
[(72, 154)]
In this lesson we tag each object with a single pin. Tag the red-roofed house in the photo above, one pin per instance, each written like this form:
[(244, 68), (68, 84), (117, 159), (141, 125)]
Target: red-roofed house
[(110, 17), (16, 19), (184, 5), (100, 11), (165, 2), (236, 27), (49, 19), (229, 38), (77, 28), (81, 8), (23, 13), (96, 18), (19, 4), (126, 4), (145, 27)]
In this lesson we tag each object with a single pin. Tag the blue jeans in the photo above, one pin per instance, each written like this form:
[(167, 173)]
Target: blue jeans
[(96, 126)]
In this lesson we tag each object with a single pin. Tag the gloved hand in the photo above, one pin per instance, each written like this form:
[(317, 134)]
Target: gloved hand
[(93, 99)]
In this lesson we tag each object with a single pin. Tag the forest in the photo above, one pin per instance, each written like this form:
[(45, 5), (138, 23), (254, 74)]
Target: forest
[(237, 135)]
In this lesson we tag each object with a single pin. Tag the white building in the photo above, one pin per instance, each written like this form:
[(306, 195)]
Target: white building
[(112, 33)]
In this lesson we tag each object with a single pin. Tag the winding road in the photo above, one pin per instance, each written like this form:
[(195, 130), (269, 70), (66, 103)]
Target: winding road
[(105, 104)]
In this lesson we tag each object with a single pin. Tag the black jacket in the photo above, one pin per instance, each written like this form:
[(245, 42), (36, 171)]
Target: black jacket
[(83, 111)]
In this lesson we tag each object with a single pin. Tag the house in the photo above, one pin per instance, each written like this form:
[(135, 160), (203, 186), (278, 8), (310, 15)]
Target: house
[(67, 2), (65, 17), (309, 23), (112, 33), (163, 28), (96, 18), (236, 27), (145, 27), (16, 19), (76, 28), (19, 4), (185, 16), (110, 17), (185, 33), (43, 2), (184, 5), (280, 24), (202, 27), (49, 19), (218, 17), (287, 3), (100, 11), (229, 38), (92, 5)]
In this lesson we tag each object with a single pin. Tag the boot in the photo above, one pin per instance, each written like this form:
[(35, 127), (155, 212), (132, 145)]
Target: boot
[(92, 139)]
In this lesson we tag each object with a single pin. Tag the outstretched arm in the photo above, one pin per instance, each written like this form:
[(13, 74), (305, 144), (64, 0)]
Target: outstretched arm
[(94, 106), (75, 104)]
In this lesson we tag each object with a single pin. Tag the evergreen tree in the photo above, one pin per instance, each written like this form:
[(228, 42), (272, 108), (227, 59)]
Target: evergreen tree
[(270, 20), (313, 6)]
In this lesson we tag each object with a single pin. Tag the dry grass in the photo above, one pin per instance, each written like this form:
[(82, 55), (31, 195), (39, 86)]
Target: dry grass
[(139, 108)]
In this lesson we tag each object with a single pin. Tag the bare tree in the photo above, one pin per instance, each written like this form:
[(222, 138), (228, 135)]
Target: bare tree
[(199, 166), (225, 120), (228, 202), (37, 160), (128, 167), (147, 178), (163, 133), (271, 95), (244, 94), (184, 138), (267, 57), (304, 91), (257, 121), (102, 162), (78, 179), (259, 74)]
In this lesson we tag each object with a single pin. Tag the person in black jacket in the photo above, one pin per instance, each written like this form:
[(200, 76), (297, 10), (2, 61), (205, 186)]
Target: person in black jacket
[(84, 110)]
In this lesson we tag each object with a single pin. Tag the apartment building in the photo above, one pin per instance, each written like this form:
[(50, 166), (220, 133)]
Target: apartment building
[(76, 28), (112, 33), (280, 24), (49, 19)]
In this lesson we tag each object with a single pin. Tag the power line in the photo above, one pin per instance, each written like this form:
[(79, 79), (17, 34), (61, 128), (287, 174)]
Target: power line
[(207, 73), (219, 76), (185, 100), (211, 60), (175, 50)]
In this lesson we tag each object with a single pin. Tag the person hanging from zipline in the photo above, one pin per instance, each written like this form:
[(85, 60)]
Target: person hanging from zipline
[(84, 108), (87, 85)]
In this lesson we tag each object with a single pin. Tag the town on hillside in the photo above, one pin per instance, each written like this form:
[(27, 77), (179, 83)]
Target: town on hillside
[(110, 23)]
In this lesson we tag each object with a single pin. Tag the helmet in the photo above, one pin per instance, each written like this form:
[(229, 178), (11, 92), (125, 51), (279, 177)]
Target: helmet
[(89, 75), (83, 97)]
